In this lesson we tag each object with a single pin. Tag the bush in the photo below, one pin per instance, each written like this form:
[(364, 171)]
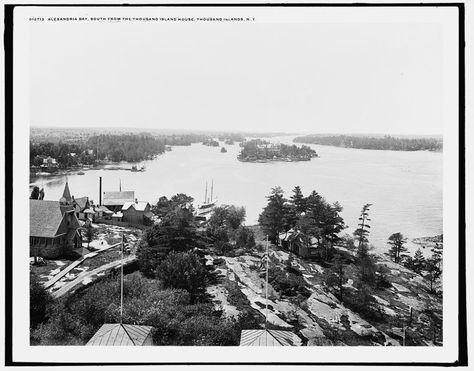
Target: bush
[(175, 321), (184, 271), (40, 300), (286, 283)]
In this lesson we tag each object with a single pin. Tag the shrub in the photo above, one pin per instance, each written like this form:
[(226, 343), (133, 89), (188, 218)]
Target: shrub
[(184, 271), (286, 283)]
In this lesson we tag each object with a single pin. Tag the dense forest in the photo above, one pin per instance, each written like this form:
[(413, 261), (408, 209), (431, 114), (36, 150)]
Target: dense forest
[(258, 150), (382, 143), (128, 147), (112, 147)]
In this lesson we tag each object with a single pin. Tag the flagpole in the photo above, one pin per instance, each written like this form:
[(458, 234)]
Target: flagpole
[(121, 281), (266, 292)]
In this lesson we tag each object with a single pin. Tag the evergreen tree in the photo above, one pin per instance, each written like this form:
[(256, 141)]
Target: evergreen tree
[(35, 193), (89, 233), (336, 277), (273, 218), (418, 262), (432, 266), (362, 232), (298, 201), (396, 241)]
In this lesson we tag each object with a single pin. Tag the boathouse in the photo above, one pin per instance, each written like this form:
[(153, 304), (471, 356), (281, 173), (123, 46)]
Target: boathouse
[(114, 201)]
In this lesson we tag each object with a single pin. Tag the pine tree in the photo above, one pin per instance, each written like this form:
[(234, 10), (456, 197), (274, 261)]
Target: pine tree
[(432, 266), (35, 193), (418, 262), (396, 241), (274, 217), (362, 232), (298, 201)]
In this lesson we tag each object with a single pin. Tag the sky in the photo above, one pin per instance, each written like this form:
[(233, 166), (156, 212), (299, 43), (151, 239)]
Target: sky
[(263, 76)]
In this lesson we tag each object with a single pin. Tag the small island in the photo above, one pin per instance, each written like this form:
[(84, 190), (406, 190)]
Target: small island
[(258, 150), (210, 142)]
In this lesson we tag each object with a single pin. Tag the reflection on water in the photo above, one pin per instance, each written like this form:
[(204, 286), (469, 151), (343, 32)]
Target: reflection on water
[(405, 188)]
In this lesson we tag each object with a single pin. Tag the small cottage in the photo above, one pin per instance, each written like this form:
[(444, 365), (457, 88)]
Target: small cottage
[(137, 212), (295, 242)]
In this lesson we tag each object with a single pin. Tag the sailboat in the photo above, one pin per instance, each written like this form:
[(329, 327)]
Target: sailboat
[(204, 210)]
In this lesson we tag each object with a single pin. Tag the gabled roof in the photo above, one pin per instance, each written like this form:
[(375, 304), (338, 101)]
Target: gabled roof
[(45, 218), (269, 338), (139, 206), (82, 202), (114, 334), (104, 209), (118, 198)]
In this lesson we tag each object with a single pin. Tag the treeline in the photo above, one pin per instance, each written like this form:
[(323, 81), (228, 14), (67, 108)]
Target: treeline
[(127, 147), (383, 143), (66, 154), (182, 139), (261, 150)]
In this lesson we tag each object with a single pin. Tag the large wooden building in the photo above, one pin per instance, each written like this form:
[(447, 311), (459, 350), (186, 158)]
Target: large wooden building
[(114, 201), (54, 227), (136, 212)]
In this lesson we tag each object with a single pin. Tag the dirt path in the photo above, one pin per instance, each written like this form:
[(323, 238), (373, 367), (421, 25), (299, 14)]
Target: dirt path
[(76, 263), (87, 275)]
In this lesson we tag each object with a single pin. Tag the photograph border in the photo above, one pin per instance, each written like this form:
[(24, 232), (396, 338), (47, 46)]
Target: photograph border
[(8, 47)]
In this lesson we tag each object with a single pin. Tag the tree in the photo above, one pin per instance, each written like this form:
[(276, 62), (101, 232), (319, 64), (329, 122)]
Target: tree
[(182, 201), (40, 299), (418, 263), (333, 224), (397, 242), (35, 193), (273, 218), (183, 270), (434, 271), (435, 322), (336, 277), (89, 233), (381, 277), (298, 201), (362, 232), (228, 217), (244, 238), (176, 231)]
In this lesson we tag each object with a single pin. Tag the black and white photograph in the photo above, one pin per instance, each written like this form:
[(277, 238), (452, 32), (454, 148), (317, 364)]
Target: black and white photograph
[(211, 179)]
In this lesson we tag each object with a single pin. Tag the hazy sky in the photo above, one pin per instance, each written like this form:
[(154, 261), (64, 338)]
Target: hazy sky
[(291, 77)]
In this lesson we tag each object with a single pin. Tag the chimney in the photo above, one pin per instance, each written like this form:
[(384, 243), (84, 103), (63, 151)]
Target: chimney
[(100, 191), (136, 200)]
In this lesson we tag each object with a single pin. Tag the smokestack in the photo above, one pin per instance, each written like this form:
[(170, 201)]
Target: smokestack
[(100, 191)]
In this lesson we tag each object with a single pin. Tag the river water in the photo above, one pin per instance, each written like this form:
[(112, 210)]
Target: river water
[(405, 188)]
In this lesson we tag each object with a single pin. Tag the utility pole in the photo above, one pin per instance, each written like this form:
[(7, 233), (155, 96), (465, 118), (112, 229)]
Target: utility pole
[(121, 282), (266, 291)]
